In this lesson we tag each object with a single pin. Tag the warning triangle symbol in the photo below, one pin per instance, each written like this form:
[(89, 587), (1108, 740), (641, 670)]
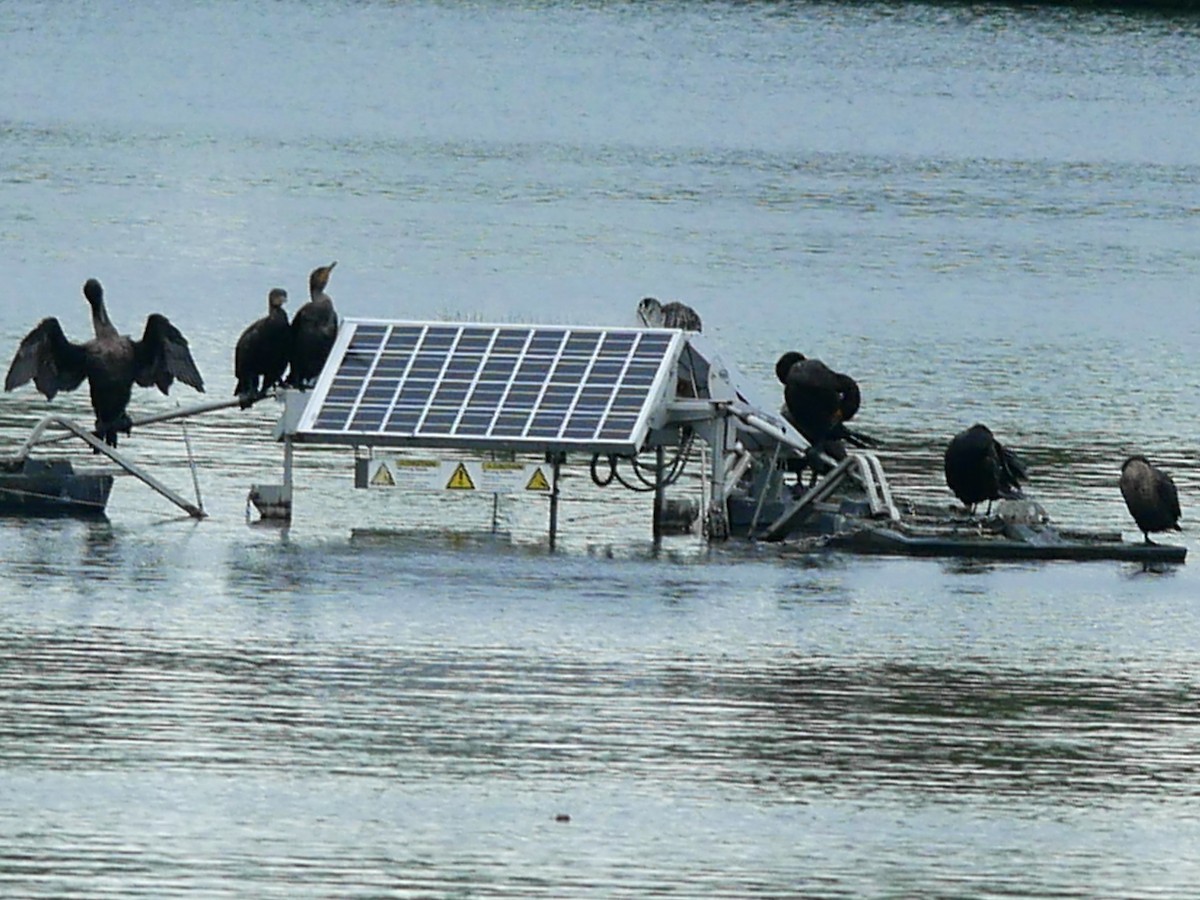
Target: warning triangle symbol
[(383, 476), (460, 480), (538, 481)]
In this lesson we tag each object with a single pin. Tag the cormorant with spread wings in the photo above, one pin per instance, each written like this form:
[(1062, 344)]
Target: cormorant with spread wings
[(111, 362)]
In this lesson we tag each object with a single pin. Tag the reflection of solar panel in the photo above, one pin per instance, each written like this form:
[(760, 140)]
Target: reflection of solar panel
[(532, 387)]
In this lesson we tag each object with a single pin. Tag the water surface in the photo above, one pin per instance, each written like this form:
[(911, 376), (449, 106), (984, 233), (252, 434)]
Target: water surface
[(984, 213)]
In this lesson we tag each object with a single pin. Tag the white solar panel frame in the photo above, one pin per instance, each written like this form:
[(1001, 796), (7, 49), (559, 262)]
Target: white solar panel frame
[(659, 391)]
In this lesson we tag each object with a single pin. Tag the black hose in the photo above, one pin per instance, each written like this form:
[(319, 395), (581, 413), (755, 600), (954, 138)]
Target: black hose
[(646, 474)]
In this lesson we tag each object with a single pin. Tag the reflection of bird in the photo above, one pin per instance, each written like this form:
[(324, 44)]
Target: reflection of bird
[(1150, 495), (314, 329), (262, 352), (819, 401), (111, 363), (668, 315), (978, 467)]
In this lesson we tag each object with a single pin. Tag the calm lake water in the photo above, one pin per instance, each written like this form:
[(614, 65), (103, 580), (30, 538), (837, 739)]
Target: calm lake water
[(984, 213)]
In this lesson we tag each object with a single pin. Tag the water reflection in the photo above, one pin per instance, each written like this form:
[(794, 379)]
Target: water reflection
[(1148, 569), (818, 591), (100, 551), (42, 550)]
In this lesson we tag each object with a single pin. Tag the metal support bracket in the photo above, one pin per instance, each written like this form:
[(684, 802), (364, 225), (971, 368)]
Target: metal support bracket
[(111, 452)]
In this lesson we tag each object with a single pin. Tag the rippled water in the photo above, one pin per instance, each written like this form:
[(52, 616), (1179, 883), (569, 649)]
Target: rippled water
[(982, 212)]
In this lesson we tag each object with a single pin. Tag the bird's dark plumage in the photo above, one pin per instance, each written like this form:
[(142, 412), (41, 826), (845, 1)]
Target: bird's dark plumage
[(111, 362), (978, 467), (668, 315), (819, 401), (1150, 496), (263, 351), (314, 329)]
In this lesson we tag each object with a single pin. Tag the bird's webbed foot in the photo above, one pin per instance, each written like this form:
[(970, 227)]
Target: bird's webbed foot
[(107, 435)]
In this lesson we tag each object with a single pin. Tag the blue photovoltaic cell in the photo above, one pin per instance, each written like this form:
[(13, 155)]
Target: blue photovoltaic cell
[(516, 385)]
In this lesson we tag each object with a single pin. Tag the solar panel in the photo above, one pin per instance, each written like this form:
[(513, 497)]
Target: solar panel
[(523, 387)]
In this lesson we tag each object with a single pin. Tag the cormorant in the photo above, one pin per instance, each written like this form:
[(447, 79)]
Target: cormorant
[(1150, 496), (978, 467), (819, 401), (314, 329), (111, 363), (668, 315), (263, 351)]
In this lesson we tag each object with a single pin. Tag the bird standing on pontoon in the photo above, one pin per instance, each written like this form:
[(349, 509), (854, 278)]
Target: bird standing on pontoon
[(978, 467), (111, 362), (314, 329), (1150, 495), (263, 351)]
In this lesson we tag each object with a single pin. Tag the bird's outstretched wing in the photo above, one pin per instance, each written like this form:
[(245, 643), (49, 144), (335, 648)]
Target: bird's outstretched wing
[(162, 355), (48, 358)]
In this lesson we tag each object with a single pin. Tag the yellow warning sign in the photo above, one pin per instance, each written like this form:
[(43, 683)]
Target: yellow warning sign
[(460, 480), (492, 476), (538, 481)]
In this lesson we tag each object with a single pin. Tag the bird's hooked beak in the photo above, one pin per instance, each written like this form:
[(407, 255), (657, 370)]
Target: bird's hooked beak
[(320, 277)]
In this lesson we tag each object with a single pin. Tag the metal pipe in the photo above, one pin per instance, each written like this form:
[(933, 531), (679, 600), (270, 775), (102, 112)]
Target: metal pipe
[(656, 518), (781, 527), (287, 463), (868, 481), (772, 430), (555, 463), (885, 488), (111, 452), (762, 491), (35, 439), (187, 442)]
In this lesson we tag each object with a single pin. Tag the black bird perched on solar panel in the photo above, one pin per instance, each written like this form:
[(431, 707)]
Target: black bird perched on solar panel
[(819, 402), (668, 315), (1150, 495), (111, 362), (314, 329), (978, 467), (263, 351)]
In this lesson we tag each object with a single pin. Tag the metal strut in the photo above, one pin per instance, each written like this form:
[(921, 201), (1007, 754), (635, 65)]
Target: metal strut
[(38, 438), (802, 508), (875, 483), (111, 452)]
